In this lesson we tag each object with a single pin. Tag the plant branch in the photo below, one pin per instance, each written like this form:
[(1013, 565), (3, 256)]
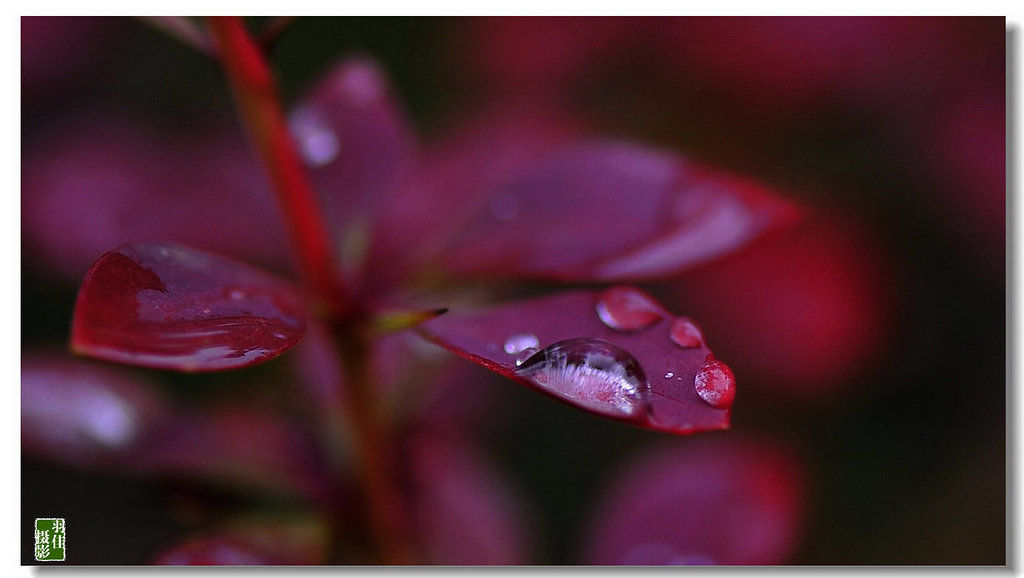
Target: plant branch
[(255, 91)]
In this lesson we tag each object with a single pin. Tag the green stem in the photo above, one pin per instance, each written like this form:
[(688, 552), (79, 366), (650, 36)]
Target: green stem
[(255, 91)]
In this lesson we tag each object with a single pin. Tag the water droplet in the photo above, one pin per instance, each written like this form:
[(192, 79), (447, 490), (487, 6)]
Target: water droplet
[(524, 355), (716, 384), (627, 309), (669, 375), (685, 334), (519, 342), (317, 143), (590, 372)]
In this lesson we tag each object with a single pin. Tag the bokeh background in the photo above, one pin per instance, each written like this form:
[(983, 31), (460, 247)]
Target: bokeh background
[(870, 338)]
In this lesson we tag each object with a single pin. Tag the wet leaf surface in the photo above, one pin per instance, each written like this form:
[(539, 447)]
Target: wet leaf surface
[(171, 307), (605, 210), (709, 501), (493, 338)]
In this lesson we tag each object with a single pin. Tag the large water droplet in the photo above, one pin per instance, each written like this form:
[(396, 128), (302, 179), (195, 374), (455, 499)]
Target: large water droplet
[(715, 384), (628, 309), (519, 342), (685, 334), (590, 372)]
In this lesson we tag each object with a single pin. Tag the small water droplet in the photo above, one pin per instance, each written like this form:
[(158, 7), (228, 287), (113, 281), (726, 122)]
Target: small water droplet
[(520, 341), (590, 372), (685, 334), (669, 375), (524, 355), (715, 384), (628, 309), (317, 142)]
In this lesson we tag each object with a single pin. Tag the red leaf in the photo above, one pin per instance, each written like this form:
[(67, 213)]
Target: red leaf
[(253, 540), (712, 500), (611, 211), (453, 180), (172, 307), (357, 144), (239, 448), (465, 512), (95, 184), (86, 414), (607, 376), (809, 311)]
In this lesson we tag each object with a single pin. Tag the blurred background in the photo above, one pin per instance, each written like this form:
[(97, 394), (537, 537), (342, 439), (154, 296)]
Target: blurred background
[(870, 339)]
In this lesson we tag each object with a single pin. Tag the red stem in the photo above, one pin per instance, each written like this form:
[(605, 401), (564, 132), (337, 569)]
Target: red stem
[(253, 85)]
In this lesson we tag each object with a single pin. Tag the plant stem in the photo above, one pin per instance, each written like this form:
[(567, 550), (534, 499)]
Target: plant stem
[(373, 447), (255, 91)]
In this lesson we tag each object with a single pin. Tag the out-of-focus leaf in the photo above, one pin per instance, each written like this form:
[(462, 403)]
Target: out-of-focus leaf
[(708, 500), (512, 339), (806, 311), (256, 540), (452, 182), (240, 448), (171, 307), (465, 511), (610, 211), (95, 184), (81, 413), (358, 146)]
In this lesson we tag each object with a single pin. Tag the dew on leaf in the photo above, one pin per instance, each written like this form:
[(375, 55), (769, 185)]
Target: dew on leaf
[(626, 308), (317, 142), (524, 355), (715, 384), (520, 342), (590, 372), (685, 334)]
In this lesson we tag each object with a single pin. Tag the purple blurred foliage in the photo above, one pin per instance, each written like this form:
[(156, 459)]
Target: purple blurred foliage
[(91, 184), (465, 510), (822, 315), (711, 500), (88, 414)]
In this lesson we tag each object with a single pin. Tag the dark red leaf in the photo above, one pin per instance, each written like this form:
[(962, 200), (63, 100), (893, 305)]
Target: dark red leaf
[(172, 307), (82, 413), (358, 146), (255, 540), (611, 211), (240, 448), (452, 182), (710, 500), (103, 182), (559, 345), (465, 512)]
